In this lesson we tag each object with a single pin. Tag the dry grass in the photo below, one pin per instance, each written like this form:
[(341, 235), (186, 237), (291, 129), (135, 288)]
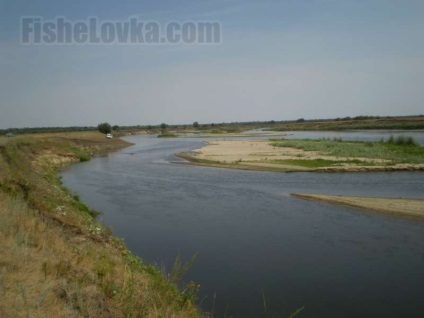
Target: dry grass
[(55, 259), (3, 140), (42, 274)]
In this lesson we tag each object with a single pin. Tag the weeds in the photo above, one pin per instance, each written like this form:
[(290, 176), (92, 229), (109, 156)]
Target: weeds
[(297, 311), (402, 141), (82, 153), (43, 294), (57, 260), (167, 135), (179, 268), (399, 150)]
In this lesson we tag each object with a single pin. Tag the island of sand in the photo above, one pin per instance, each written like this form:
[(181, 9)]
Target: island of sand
[(266, 155), (397, 206), (321, 156)]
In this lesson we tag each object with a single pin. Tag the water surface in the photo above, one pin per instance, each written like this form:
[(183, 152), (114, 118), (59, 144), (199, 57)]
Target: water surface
[(254, 241)]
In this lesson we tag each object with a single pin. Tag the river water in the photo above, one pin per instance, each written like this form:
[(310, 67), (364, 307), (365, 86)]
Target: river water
[(262, 253)]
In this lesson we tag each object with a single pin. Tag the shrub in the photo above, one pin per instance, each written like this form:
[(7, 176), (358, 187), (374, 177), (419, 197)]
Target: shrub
[(402, 141), (104, 128)]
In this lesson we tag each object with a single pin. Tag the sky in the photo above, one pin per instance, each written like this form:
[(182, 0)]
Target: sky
[(278, 60)]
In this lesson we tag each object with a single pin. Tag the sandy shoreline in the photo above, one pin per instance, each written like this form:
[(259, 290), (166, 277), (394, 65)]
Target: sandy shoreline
[(261, 155), (404, 207)]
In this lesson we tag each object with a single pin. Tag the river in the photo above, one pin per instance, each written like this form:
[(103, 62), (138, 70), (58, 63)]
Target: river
[(262, 253)]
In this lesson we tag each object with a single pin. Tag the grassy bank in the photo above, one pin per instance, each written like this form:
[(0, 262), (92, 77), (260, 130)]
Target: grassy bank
[(55, 259)]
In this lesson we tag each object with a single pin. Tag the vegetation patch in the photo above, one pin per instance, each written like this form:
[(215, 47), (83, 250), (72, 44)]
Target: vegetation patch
[(324, 155), (56, 259), (167, 135), (396, 150)]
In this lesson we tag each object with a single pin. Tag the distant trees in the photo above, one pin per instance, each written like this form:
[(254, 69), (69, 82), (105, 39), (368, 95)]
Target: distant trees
[(104, 128), (196, 124), (35, 130), (163, 126), (115, 127)]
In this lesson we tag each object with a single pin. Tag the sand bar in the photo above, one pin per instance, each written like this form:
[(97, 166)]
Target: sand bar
[(396, 206), (262, 155)]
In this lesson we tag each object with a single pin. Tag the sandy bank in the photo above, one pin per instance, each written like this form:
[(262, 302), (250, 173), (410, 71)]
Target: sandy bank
[(406, 207), (261, 155)]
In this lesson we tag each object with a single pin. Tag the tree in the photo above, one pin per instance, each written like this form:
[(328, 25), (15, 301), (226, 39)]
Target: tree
[(104, 128), (163, 126), (196, 124), (116, 127)]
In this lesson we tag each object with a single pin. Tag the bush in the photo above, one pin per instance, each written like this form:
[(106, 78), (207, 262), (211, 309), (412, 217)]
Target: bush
[(104, 128), (402, 141)]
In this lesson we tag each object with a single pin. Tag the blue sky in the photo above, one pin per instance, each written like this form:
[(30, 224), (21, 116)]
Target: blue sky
[(279, 60)]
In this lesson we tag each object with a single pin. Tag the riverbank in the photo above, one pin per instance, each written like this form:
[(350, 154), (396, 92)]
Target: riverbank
[(395, 206), (304, 155), (55, 259)]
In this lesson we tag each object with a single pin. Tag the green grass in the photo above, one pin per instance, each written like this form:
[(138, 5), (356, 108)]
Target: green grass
[(401, 141), (82, 153), (396, 152), (167, 135)]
